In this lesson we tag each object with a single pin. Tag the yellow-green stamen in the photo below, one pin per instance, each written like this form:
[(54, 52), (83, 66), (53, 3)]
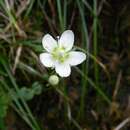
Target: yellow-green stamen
[(60, 54)]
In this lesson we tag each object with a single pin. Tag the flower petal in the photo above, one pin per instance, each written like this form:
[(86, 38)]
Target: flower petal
[(46, 60), (67, 40), (76, 57), (63, 69), (49, 43)]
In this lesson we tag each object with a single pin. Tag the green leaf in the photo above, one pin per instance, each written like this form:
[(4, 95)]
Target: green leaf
[(37, 88), (26, 93)]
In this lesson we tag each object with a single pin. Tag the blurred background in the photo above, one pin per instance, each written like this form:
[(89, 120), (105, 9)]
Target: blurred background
[(97, 94)]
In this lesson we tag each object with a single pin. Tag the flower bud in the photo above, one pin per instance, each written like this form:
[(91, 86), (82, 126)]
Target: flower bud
[(53, 80)]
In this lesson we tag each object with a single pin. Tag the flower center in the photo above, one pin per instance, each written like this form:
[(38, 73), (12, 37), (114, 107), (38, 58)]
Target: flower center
[(60, 54)]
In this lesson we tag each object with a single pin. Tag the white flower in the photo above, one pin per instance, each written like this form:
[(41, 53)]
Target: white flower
[(59, 54)]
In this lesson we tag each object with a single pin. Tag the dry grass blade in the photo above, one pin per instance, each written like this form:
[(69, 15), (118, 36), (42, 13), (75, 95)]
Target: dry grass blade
[(49, 21), (101, 6), (101, 65), (122, 124), (117, 85), (18, 53), (4, 37), (51, 4), (96, 60), (21, 8)]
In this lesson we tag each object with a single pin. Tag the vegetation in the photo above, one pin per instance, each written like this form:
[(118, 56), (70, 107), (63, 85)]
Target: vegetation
[(96, 96)]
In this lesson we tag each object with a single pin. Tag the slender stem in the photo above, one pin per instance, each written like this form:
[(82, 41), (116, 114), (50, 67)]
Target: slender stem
[(90, 81), (65, 13), (96, 73), (94, 86), (63, 89), (60, 14), (24, 116), (67, 100), (86, 64)]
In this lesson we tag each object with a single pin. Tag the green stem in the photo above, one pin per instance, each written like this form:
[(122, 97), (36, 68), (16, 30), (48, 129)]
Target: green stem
[(60, 15), (65, 13), (63, 89), (96, 72), (97, 88), (67, 100), (90, 81), (85, 44)]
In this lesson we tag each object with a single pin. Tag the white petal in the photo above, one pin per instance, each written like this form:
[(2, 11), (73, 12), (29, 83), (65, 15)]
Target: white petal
[(63, 69), (46, 60), (67, 40), (49, 43), (76, 57)]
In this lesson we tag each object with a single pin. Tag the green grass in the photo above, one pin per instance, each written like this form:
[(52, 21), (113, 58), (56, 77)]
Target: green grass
[(22, 25), (85, 67), (24, 112)]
